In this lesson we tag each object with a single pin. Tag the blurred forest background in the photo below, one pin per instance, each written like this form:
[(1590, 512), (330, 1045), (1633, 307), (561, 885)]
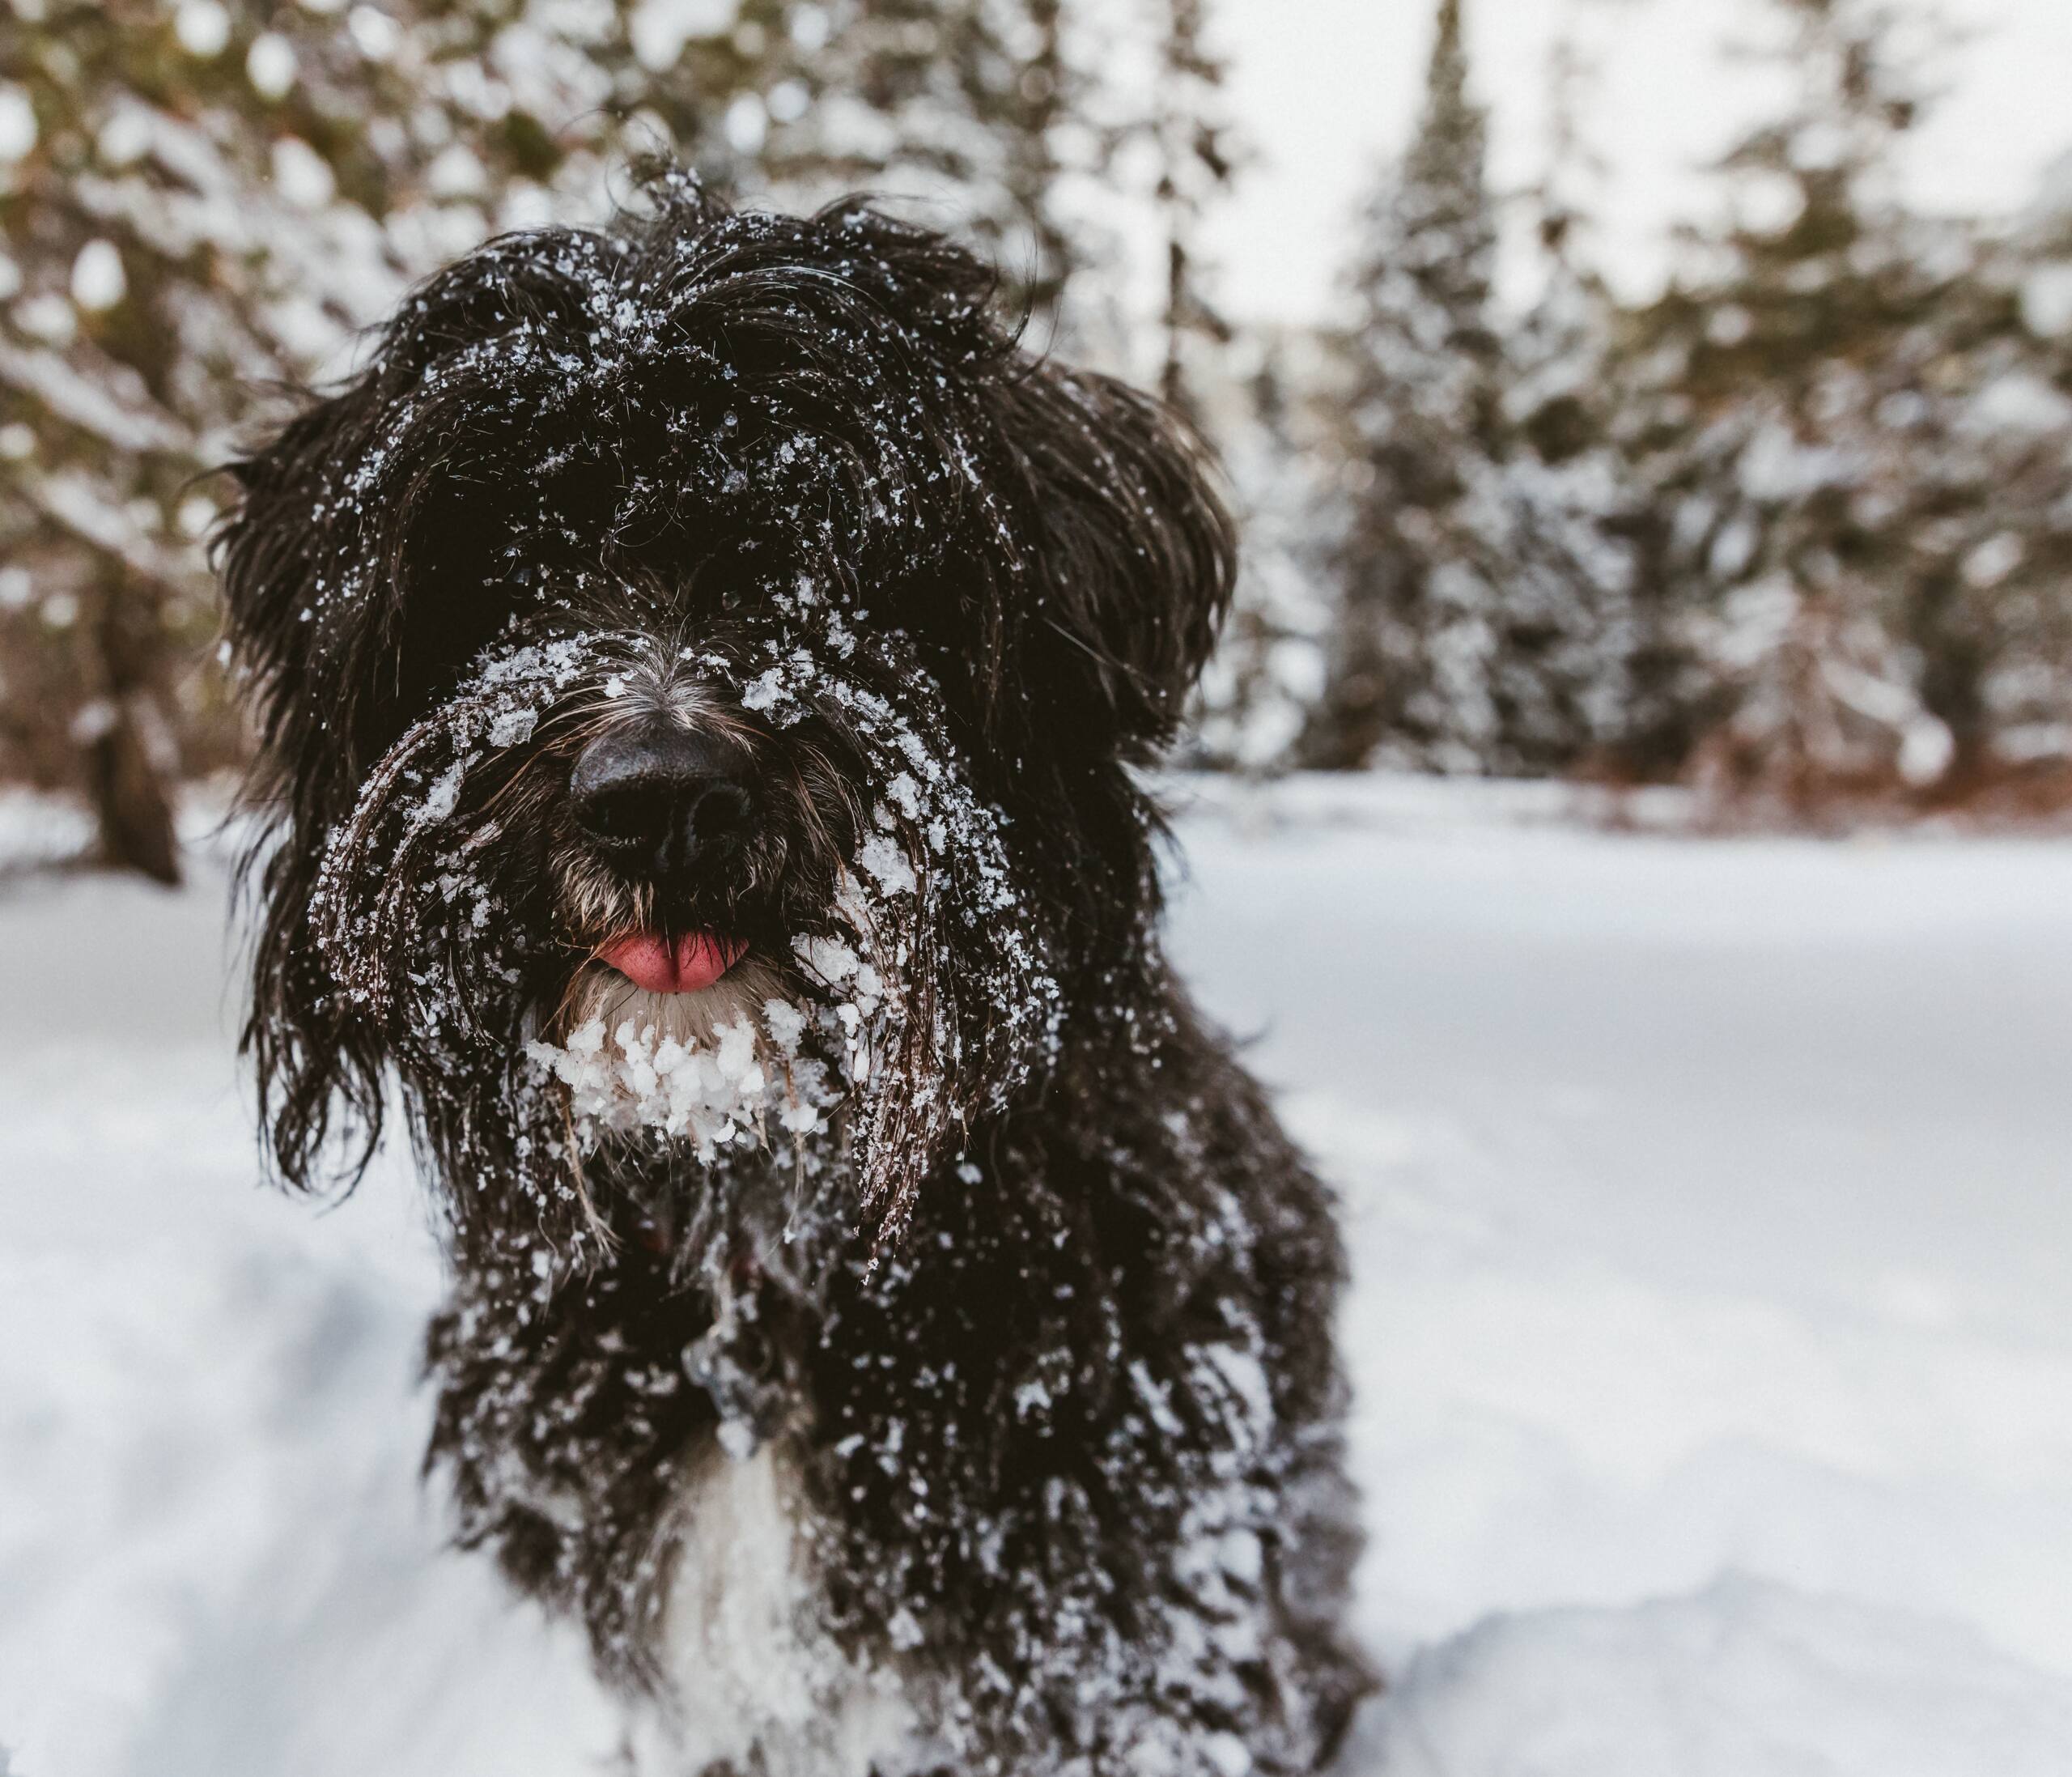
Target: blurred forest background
[(1795, 531)]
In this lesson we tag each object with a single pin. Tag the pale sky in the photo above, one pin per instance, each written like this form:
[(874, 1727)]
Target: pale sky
[(1325, 89)]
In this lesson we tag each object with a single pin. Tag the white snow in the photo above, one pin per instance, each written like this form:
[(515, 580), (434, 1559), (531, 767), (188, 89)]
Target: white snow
[(1742, 1677), (2046, 296), (270, 65), (888, 865), (202, 27), (1711, 1343), (98, 279), (17, 129), (214, 1552), (659, 28), (301, 174), (634, 1076)]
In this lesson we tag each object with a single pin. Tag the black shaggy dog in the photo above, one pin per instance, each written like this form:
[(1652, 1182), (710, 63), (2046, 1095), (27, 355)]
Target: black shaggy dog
[(700, 668)]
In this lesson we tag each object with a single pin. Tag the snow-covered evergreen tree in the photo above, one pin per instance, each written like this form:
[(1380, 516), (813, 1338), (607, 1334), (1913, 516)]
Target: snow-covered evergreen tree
[(979, 113), (1853, 453), (1548, 512), (1268, 672), (1423, 419), (1479, 626), (1244, 396), (1193, 161)]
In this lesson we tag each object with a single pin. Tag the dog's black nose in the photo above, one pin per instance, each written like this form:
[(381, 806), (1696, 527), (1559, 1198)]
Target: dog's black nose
[(662, 797)]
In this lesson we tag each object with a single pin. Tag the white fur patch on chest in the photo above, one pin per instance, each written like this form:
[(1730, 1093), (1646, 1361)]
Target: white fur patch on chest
[(755, 1680)]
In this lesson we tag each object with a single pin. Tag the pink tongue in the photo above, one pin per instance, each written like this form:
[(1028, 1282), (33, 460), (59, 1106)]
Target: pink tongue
[(688, 964)]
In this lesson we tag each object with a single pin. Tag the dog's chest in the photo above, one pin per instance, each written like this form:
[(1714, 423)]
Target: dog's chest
[(755, 1680)]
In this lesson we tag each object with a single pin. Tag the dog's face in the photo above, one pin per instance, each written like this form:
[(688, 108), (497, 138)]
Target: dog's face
[(696, 669)]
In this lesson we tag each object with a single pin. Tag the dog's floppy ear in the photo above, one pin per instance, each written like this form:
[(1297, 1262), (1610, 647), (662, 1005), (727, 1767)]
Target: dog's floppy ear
[(1122, 555), (271, 557), (334, 510), (1134, 553), (319, 1074)]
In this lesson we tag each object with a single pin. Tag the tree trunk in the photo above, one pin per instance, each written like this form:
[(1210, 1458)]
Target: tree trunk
[(132, 802)]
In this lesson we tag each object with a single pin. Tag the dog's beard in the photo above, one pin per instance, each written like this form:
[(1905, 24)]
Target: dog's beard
[(760, 1050), (913, 996), (708, 1070)]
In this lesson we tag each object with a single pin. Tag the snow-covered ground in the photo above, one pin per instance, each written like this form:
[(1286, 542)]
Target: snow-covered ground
[(1712, 1336)]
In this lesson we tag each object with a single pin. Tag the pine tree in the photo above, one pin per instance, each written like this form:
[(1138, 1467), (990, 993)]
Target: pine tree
[(1853, 455), (1483, 580), (1422, 422), (1268, 671), (1565, 665), (972, 110), (1194, 162)]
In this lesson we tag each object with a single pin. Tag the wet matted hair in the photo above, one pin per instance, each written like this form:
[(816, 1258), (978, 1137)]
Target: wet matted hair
[(701, 669)]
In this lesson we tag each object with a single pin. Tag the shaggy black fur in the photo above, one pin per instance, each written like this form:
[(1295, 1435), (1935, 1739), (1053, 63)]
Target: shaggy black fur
[(1043, 1321)]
